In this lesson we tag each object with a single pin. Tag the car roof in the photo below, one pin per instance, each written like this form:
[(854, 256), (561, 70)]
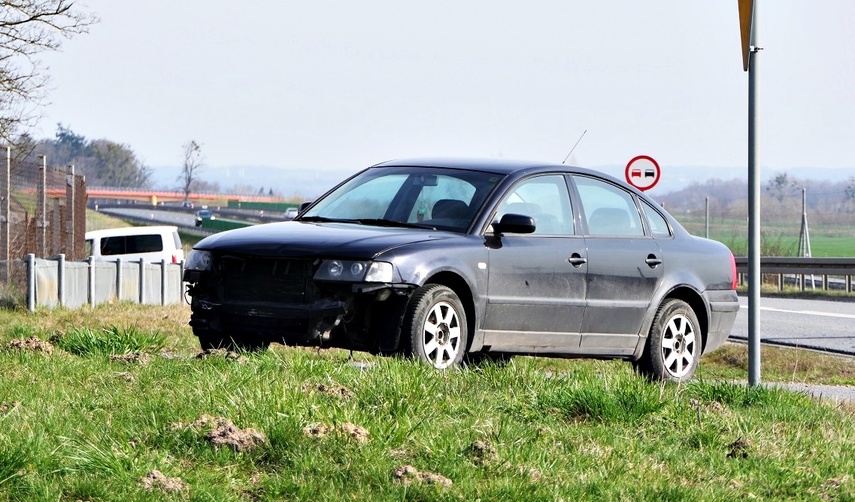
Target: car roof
[(498, 166), (113, 232)]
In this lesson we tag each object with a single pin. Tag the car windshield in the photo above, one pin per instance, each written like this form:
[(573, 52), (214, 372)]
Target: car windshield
[(446, 199)]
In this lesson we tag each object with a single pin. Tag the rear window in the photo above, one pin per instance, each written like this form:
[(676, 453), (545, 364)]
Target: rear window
[(131, 244)]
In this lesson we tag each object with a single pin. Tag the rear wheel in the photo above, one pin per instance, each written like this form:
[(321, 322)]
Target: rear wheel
[(434, 327), (674, 344)]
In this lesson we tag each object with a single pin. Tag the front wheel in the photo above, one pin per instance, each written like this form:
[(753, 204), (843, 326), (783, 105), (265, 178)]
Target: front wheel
[(674, 344), (434, 328)]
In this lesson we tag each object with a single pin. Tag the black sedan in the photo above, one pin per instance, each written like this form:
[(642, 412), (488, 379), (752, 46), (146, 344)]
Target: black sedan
[(445, 259)]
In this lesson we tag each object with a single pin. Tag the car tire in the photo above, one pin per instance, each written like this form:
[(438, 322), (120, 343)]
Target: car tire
[(211, 341), (674, 344), (435, 328)]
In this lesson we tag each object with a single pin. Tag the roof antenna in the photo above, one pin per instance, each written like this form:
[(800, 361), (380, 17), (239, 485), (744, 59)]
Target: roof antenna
[(574, 146)]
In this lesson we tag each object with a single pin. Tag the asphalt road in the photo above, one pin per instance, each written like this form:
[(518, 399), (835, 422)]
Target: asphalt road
[(156, 216), (816, 324)]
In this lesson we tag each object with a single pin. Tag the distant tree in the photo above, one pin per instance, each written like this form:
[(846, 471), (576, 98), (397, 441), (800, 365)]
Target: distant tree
[(193, 163), (206, 186), (780, 186), (116, 165), (27, 29), (103, 162)]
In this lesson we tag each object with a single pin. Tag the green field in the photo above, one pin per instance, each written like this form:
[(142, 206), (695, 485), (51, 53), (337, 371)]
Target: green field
[(120, 406), (778, 239)]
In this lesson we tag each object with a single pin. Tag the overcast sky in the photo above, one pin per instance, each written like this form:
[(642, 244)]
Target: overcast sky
[(337, 84)]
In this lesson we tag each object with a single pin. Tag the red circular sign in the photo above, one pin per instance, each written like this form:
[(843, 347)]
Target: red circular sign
[(642, 172)]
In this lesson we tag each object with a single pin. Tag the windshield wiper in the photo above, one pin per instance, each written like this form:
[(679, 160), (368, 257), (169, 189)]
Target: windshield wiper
[(383, 222), (324, 219)]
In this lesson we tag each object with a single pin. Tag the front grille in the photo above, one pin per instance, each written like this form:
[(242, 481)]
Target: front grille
[(263, 279)]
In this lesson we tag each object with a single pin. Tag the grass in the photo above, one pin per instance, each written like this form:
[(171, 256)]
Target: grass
[(78, 424)]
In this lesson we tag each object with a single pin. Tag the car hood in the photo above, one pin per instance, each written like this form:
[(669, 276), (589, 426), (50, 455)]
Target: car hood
[(304, 239)]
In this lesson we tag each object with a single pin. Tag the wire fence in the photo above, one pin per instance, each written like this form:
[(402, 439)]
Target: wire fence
[(42, 212)]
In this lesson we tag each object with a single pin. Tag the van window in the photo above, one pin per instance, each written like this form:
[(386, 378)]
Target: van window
[(131, 244)]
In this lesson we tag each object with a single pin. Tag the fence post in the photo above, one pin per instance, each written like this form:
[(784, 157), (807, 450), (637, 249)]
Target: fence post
[(5, 193), (60, 279), (163, 282), (119, 267), (142, 282), (31, 282), (56, 229), (41, 208), (91, 281), (70, 193)]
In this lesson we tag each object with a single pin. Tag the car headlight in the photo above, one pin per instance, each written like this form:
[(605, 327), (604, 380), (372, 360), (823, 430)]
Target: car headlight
[(198, 260), (354, 271)]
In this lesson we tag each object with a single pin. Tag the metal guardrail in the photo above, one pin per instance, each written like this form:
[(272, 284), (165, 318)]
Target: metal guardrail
[(805, 272)]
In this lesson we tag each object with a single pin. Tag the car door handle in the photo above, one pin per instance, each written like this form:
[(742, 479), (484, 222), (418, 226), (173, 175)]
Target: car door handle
[(576, 260), (652, 261)]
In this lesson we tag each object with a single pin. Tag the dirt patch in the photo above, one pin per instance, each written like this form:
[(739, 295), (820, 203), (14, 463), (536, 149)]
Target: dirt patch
[(408, 474), (223, 432), (32, 344), (533, 474), (124, 375), (228, 434), (334, 390), (738, 449), (360, 434), (353, 431), (317, 430), (223, 354), (155, 480), (141, 358), (6, 408), (482, 452), (712, 406)]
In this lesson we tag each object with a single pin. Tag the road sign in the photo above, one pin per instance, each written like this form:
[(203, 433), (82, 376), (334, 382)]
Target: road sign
[(642, 172), (746, 20)]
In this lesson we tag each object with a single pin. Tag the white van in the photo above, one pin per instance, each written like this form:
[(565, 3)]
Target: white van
[(152, 244)]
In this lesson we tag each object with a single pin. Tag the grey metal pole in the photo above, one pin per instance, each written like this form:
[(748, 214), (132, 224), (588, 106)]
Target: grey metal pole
[(119, 280), (31, 282), (142, 282), (60, 278), (753, 207), (163, 281), (90, 279), (707, 217)]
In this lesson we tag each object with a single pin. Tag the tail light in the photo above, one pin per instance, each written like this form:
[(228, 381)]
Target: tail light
[(175, 258), (734, 275)]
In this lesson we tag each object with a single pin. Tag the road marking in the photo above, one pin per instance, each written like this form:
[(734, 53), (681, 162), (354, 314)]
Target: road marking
[(805, 312)]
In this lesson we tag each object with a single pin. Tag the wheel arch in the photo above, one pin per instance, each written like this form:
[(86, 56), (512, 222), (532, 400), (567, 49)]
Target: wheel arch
[(463, 291), (697, 304)]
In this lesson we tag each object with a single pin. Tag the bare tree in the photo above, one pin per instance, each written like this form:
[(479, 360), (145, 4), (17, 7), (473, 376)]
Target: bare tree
[(27, 29), (193, 163)]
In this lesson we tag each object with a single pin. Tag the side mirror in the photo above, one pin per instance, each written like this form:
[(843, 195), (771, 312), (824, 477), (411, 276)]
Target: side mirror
[(514, 224), (304, 205)]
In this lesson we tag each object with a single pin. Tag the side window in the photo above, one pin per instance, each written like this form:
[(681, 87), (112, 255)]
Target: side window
[(544, 198), (658, 225), (609, 210), (149, 243)]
